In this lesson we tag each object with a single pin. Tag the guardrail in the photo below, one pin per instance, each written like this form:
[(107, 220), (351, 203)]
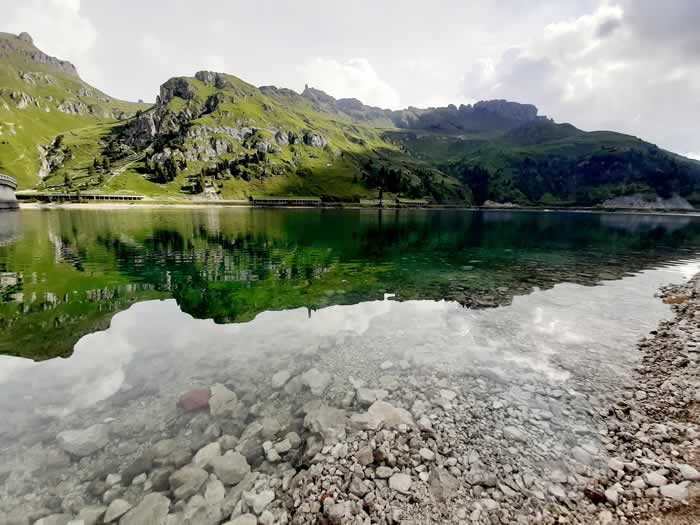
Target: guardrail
[(286, 201), (6, 180), (77, 197)]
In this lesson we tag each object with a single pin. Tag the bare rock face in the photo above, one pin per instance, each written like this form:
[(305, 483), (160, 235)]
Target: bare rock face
[(177, 87), (315, 140), (509, 110)]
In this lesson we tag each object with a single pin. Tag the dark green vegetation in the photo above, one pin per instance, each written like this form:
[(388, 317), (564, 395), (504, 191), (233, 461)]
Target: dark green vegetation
[(65, 273), (216, 136)]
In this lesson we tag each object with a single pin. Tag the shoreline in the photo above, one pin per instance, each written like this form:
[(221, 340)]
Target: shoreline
[(653, 434), (347, 206)]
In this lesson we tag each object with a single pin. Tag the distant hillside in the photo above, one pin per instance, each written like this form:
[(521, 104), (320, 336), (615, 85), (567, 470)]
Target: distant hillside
[(215, 136), (484, 116)]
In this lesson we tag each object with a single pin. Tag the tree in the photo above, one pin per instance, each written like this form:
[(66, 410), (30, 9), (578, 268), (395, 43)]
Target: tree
[(477, 178), (200, 183), (91, 171), (101, 179), (106, 164), (67, 181), (95, 163), (170, 169)]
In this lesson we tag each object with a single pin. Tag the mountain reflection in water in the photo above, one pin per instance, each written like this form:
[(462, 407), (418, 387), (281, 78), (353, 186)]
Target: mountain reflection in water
[(66, 272)]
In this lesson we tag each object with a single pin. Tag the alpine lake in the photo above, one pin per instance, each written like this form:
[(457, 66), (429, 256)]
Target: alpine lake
[(519, 327)]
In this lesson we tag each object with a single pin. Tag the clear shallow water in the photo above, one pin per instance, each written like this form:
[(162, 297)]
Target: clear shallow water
[(292, 290)]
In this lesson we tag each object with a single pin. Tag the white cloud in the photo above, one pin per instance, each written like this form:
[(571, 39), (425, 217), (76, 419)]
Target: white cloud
[(215, 63), (354, 78), (57, 27), (605, 70), (693, 155)]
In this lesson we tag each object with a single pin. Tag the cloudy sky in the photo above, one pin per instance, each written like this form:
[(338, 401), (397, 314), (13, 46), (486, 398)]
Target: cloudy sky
[(627, 65)]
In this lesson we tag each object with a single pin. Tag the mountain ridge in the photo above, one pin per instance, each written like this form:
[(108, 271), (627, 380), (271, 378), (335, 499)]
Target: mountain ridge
[(213, 135)]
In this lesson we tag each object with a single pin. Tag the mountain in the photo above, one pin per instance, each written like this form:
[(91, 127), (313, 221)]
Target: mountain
[(216, 136), (42, 97), (487, 115)]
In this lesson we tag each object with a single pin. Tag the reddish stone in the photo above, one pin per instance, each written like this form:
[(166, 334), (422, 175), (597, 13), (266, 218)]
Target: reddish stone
[(196, 399)]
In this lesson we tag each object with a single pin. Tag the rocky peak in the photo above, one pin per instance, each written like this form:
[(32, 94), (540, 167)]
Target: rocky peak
[(318, 96), (176, 87), (22, 46), (509, 110), (211, 77)]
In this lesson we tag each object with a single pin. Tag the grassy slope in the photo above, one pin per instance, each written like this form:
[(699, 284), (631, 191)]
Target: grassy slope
[(502, 156), (298, 170), (22, 130)]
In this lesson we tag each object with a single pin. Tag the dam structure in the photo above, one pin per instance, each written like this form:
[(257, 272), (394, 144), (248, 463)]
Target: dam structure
[(8, 185)]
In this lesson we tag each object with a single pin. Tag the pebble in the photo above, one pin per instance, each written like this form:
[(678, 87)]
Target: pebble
[(400, 483)]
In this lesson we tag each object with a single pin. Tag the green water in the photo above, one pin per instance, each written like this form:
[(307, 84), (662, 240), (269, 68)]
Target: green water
[(65, 273)]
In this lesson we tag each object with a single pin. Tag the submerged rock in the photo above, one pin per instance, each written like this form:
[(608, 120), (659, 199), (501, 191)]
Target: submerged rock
[(224, 402), (196, 399), (84, 442), (187, 481), (316, 380), (382, 415), (230, 468)]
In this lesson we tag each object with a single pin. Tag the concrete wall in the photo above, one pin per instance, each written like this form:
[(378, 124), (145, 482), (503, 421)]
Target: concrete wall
[(8, 201)]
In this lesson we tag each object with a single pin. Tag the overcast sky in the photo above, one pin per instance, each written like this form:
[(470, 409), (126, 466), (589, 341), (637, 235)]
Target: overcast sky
[(626, 65)]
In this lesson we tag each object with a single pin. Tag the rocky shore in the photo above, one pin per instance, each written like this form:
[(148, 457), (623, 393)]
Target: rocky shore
[(331, 437), (653, 435)]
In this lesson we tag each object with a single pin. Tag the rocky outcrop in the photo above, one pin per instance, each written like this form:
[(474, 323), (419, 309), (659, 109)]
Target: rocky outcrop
[(34, 78), (51, 158), (509, 110), (175, 87), (646, 201), (201, 142), (315, 140), (23, 46), (22, 100), (72, 107), (211, 77)]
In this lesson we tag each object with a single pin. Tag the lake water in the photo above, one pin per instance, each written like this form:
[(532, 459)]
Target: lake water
[(110, 316)]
